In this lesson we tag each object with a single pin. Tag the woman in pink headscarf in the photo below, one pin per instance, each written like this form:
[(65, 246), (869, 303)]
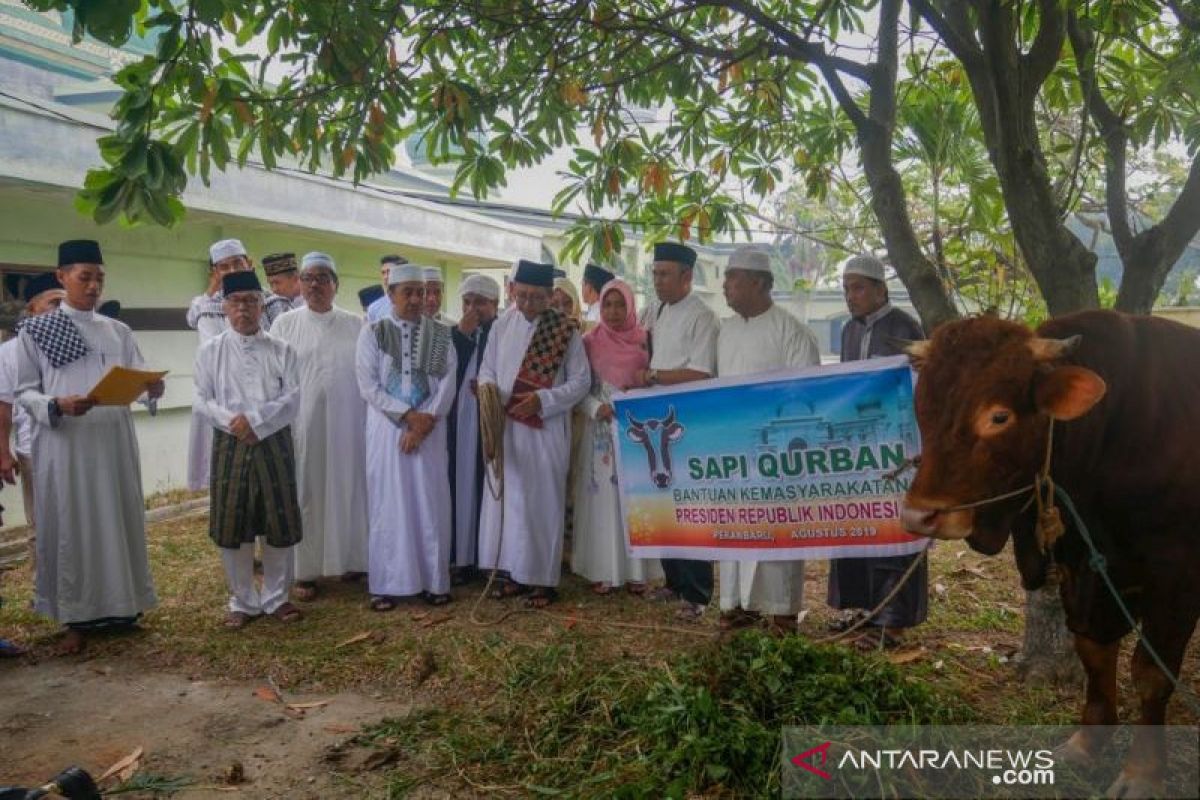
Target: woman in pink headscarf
[(617, 350)]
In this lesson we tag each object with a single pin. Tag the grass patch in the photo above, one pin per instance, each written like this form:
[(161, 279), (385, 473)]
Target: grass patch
[(707, 722)]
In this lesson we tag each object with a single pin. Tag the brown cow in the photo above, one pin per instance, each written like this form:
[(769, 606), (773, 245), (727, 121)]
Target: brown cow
[(1125, 394)]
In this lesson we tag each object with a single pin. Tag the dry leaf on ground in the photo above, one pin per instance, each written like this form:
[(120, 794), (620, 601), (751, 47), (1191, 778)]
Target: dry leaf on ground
[(124, 768)]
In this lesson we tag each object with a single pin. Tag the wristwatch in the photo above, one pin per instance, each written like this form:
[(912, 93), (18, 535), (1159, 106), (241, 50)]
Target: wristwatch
[(54, 409)]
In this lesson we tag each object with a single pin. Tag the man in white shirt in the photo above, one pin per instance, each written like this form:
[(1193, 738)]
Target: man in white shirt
[(406, 367), (594, 278), (683, 348), (760, 337), (330, 431), (283, 277), (247, 388), (206, 316), (381, 307), (435, 287), (43, 294)]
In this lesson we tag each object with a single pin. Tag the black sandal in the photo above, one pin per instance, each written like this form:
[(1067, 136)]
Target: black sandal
[(541, 597), (846, 622), (508, 589), (435, 599), (382, 603)]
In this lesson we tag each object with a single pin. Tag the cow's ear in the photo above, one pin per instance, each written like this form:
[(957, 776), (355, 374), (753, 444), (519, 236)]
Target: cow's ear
[(1068, 392), (674, 432), (916, 350), (636, 434)]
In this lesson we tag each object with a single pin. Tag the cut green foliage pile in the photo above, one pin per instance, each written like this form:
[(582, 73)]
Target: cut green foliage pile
[(564, 724)]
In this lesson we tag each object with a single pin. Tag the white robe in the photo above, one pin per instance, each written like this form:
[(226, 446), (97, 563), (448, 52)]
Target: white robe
[(330, 436), (22, 426), (408, 495), (771, 341), (91, 542), (202, 318), (535, 460), (598, 550)]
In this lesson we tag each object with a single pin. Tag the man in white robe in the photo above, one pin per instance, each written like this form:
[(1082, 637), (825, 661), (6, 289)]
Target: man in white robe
[(330, 431), (435, 288), (92, 567), (683, 348), (406, 368), (480, 298), (287, 292), (760, 337), (537, 435), (43, 294), (381, 307), (247, 388), (206, 316)]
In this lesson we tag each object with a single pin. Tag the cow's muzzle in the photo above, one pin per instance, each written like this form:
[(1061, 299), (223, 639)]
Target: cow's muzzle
[(929, 519), (662, 479)]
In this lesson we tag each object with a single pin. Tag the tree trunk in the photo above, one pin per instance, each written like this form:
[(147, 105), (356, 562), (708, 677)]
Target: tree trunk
[(1048, 652)]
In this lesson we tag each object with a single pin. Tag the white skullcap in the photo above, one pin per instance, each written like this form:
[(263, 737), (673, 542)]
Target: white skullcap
[(434, 275), (226, 248), (867, 266), (405, 273), (318, 259), (749, 258), (481, 285)]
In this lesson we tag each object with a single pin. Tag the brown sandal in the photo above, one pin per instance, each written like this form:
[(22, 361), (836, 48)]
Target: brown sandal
[(602, 589), (305, 591), (287, 613)]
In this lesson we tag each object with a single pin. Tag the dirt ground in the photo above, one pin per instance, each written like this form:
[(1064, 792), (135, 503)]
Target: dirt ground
[(94, 713)]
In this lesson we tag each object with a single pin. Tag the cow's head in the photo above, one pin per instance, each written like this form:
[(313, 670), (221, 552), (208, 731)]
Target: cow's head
[(986, 393), (656, 435)]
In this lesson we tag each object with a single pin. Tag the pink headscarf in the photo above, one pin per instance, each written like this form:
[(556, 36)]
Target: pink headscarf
[(618, 354)]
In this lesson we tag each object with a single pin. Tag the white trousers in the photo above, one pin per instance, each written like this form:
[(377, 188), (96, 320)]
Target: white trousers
[(768, 587), (245, 596)]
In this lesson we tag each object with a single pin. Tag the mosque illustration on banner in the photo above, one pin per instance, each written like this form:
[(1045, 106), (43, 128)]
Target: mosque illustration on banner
[(883, 414)]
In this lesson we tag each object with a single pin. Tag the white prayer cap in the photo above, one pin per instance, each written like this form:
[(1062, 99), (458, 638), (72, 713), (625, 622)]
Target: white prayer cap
[(318, 259), (867, 266), (480, 285), (226, 248), (434, 275), (749, 258), (406, 273)]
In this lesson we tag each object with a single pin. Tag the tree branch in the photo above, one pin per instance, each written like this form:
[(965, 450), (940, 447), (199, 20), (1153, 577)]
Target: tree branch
[(1112, 132), (954, 29), (1047, 45)]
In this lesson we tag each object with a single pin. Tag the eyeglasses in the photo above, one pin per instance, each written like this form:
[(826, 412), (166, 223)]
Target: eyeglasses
[(319, 280), (243, 301)]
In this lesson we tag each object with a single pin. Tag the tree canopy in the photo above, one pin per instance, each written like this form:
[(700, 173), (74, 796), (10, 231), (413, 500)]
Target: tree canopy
[(682, 114)]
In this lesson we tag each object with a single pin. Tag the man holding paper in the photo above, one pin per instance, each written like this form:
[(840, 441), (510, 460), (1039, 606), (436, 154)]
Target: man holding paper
[(92, 568)]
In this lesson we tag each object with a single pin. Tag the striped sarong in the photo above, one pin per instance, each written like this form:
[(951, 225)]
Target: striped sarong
[(252, 491)]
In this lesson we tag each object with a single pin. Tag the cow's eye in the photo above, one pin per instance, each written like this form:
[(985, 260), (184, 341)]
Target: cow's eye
[(993, 420)]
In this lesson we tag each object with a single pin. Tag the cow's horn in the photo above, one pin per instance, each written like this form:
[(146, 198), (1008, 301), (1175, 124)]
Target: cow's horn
[(670, 418), (917, 348), (1053, 349), (629, 417)]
